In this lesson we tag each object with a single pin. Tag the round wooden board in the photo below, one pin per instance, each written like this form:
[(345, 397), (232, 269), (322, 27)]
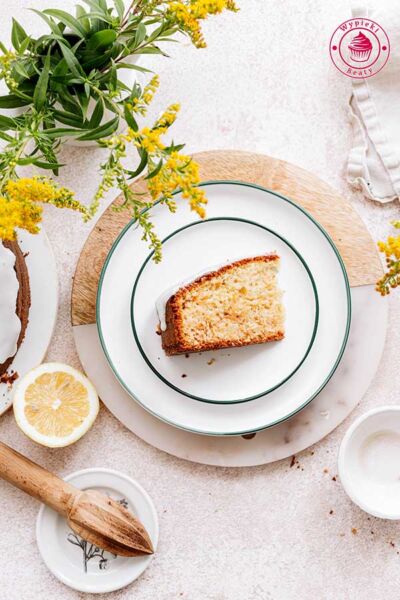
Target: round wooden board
[(326, 205), (350, 381)]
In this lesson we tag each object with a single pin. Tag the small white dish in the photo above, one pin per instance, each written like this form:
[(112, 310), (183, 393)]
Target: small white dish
[(81, 565), (369, 465)]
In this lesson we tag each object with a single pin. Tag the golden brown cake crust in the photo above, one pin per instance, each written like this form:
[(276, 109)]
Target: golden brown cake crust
[(173, 341), (23, 297)]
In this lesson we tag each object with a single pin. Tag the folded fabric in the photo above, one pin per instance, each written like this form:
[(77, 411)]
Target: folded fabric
[(374, 160)]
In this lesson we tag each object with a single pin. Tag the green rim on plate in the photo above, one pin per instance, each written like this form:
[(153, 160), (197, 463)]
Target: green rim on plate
[(306, 402), (255, 396)]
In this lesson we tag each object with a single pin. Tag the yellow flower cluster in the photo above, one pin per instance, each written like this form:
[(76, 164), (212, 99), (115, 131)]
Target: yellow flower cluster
[(391, 249), (179, 172), (168, 117), (6, 68), (141, 103), (18, 215), (188, 15), (149, 138), (19, 206)]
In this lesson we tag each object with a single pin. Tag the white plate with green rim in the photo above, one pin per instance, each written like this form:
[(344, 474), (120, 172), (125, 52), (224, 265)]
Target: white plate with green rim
[(229, 375), (269, 210)]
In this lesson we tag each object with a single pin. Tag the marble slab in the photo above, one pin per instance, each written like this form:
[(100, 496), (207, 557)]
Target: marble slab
[(341, 395)]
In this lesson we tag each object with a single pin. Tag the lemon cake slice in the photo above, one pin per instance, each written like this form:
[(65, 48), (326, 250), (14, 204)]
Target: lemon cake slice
[(236, 305)]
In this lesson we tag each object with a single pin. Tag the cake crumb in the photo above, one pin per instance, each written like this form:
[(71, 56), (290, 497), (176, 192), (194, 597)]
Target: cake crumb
[(333, 478), (392, 544), (331, 512), (187, 355), (354, 531), (326, 471), (249, 436), (293, 461), (158, 330), (9, 378), (183, 375), (211, 361)]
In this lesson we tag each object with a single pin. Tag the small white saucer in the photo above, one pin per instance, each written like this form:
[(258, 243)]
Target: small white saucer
[(81, 565), (369, 465)]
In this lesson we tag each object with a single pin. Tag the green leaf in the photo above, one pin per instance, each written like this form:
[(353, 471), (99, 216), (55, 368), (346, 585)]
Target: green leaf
[(93, 4), (81, 14), (47, 165), (3, 48), (20, 69), (103, 5), (123, 65), (24, 45), (52, 24), (102, 17), (141, 167), (68, 20), (67, 118), (40, 93), (129, 118), (155, 171), (7, 123), (18, 34), (120, 8), (99, 40), (101, 131), (83, 101), (97, 114), (150, 50), (13, 101), (58, 132), (71, 60), (7, 138), (140, 34)]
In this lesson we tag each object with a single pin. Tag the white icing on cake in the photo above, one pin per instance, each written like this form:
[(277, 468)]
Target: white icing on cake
[(10, 325)]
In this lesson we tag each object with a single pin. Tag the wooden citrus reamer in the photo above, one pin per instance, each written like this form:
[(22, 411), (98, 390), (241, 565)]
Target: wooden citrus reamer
[(92, 515)]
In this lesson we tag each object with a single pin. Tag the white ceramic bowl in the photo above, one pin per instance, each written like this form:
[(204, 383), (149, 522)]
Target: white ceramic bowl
[(369, 462)]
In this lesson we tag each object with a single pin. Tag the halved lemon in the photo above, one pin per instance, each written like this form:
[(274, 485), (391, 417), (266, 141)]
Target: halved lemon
[(55, 405)]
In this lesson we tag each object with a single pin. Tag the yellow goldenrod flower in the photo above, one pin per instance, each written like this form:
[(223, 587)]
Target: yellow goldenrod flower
[(16, 214), (20, 204), (391, 249), (179, 172), (188, 15), (168, 117)]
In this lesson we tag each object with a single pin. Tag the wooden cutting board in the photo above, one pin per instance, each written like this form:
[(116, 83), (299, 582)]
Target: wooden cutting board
[(326, 205)]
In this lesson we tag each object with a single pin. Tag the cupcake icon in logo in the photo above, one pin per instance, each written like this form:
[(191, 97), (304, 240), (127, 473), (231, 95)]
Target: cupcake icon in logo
[(360, 48)]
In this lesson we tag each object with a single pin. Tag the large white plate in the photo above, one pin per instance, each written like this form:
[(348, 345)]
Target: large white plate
[(43, 283), (233, 374), (237, 200)]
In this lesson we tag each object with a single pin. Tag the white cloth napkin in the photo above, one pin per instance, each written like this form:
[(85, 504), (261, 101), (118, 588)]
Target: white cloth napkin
[(374, 160)]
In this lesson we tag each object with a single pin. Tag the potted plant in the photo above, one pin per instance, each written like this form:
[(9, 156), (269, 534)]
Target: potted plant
[(68, 84)]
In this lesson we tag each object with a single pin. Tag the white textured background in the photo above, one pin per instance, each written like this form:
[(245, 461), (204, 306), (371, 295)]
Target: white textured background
[(265, 83)]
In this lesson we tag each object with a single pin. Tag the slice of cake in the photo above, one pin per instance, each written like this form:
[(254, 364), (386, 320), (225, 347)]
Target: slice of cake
[(236, 305), (14, 301)]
